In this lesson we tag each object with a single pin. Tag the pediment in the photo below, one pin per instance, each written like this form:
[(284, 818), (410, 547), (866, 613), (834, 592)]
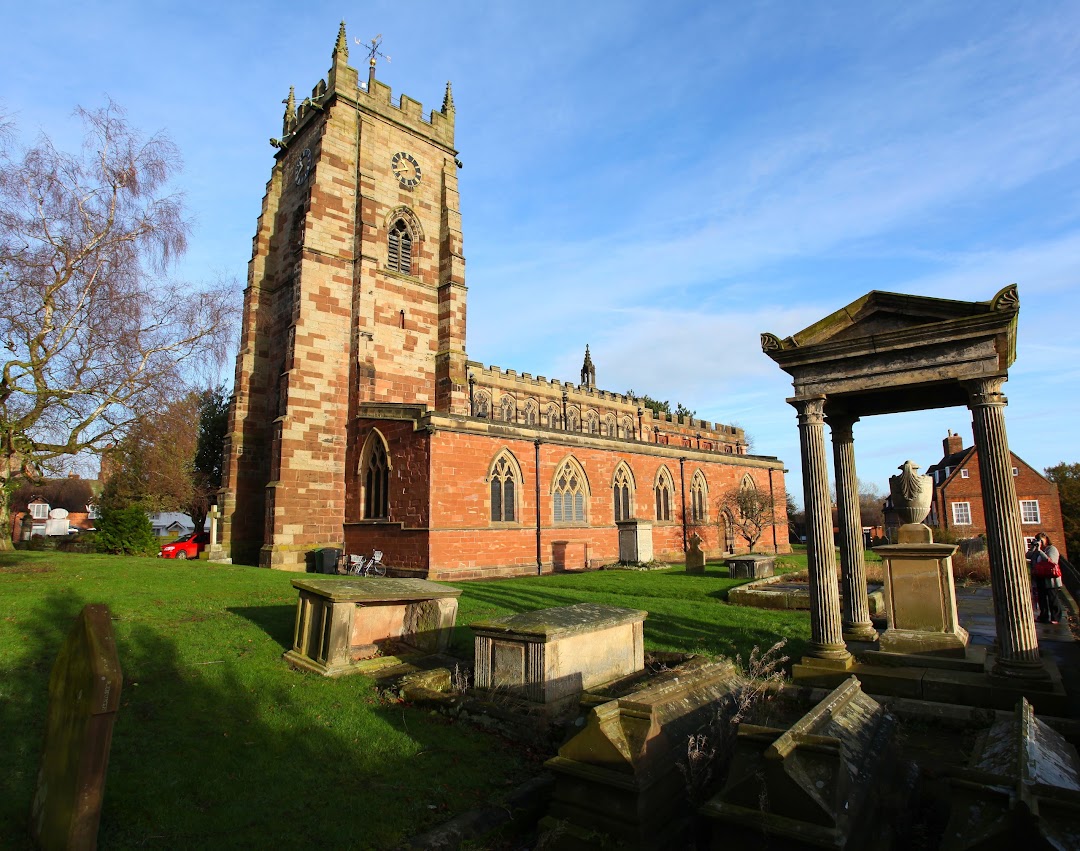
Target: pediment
[(879, 313)]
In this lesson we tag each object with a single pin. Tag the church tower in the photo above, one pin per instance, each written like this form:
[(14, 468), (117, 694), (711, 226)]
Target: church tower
[(355, 296)]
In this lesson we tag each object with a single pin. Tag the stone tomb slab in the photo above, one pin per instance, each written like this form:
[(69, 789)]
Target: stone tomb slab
[(751, 566), (548, 655), (807, 786), (342, 621), (84, 696)]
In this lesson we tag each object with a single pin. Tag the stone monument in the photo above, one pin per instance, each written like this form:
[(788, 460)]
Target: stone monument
[(919, 595), (695, 558), (84, 695)]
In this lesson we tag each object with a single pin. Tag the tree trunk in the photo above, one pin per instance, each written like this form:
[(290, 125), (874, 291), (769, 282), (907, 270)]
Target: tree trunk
[(7, 533)]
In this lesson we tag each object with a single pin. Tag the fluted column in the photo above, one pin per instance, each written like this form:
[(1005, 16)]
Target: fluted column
[(855, 608), (1013, 616), (826, 640)]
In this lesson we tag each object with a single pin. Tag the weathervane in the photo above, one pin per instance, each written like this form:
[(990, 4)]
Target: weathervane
[(373, 49)]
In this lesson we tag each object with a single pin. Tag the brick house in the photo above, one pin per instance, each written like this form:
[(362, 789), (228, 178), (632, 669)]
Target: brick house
[(358, 417), (958, 503)]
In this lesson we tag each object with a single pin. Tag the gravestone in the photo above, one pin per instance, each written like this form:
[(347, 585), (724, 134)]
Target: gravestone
[(620, 775), (341, 621), (550, 655), (808, 786), (635, 541), (751, 566), (84, 695), (1021, 788), (695, 558), (920, 597)]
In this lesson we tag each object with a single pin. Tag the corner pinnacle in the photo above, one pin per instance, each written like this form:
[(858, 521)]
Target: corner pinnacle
[(342, 45), (448, 99)]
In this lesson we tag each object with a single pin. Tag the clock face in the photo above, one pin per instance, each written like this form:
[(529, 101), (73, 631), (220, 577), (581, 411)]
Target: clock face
[(406, 169), (303, 167)]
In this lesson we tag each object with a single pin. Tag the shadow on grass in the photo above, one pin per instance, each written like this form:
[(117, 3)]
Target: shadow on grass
[(238, 754), (276, 621)]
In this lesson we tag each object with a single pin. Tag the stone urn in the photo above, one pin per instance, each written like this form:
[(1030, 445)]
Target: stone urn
[(912, 494)]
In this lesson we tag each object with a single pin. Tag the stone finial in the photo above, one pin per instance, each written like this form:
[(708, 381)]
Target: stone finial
[(770, 342), (448, 100), (288, 122), (911, 493), (341, 48), (588, 371), (1007, 298)]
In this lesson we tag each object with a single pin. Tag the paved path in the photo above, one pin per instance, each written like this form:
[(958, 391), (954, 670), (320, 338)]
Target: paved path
[(975, 609)]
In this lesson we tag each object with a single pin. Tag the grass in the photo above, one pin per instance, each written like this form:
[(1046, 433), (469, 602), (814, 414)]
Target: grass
[(219, 744)]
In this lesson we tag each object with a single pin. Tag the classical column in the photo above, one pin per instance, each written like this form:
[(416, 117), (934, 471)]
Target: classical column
[(855, 613), (1013, 616), (826, 640)]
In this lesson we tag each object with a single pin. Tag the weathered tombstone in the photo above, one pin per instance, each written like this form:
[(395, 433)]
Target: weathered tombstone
[(1021, 788), (751, 566), (635, 541), (695, 558), (919, 593), (620, 775), (342, 621), (808, 786), (84, 695), (550, 655)]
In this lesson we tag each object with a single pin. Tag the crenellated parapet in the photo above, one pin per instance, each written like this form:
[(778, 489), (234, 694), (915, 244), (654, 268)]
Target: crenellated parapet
[(509, 396), (378, 97)]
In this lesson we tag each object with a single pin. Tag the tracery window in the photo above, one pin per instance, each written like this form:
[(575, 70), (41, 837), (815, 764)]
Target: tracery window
[(554, 417), (663, 492), (729, 531), (481, 404), (623, 492), (609, 428), (529, 414), (592, 422), (507, 410), (573, 421), (399, 248), (504, 478), (627, 426), (375, 476), (569, 492), (699, 495)]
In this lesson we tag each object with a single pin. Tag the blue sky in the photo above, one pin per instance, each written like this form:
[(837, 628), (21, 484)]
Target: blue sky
[(661, 181)]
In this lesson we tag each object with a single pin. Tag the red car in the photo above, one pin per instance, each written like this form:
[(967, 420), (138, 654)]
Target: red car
[(188, 546)]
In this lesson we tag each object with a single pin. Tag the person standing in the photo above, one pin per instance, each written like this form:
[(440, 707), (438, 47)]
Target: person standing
[(1044, 557)]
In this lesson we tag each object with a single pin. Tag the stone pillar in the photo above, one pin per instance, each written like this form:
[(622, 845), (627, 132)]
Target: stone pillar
[(1013, 616), (855, 609), (826, 639)]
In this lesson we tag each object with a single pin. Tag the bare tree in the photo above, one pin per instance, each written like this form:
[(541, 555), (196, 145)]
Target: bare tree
[(751, 511), (94, 333)]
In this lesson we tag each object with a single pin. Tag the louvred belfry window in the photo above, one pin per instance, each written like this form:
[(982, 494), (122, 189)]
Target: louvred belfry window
[(399, 248)]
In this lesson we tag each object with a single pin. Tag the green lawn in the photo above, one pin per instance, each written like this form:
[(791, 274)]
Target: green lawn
[(219, 744)]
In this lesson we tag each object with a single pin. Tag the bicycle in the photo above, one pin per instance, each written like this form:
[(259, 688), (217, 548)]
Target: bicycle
[(358, 565)]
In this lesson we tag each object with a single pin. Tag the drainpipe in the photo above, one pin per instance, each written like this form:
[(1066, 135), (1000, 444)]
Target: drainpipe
[(536, 467), (682, 487), (640, 414), (772, 502), (565, 398), (472, 393)]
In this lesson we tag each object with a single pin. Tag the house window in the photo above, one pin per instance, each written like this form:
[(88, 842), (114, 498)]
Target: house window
[(92, 512), (504, 479), (698, 498), (961, 513), (623, 491), (1029, 511), (568, 493), (964, 473), (1016, 472), (375, 474), (399, 248), (664, 490), (39, 511)]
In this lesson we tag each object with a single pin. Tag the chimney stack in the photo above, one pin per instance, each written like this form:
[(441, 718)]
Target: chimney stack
[(952, 444)]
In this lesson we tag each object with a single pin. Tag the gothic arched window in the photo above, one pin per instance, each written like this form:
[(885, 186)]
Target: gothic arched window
[(573, 422), (627, 428), (554, 418), (592, 422), (664, 490), (375, 478), (699, 498), (507, 410), (399, 248), (569, 493), (529, 414), (481, 404), (622, 486), (505, 477), (609, 427)]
